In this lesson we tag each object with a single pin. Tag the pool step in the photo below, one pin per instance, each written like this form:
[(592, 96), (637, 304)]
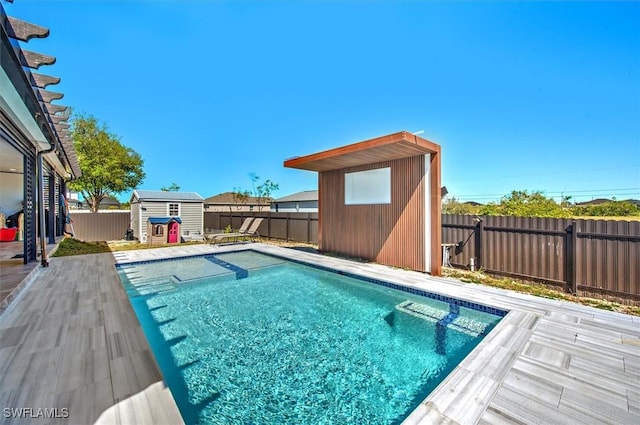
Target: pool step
[(422, 311), (450, 319), (150, 287)]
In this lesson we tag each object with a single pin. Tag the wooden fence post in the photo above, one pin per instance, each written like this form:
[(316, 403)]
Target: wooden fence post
[(287, 228), (308, 227), (269, 224)]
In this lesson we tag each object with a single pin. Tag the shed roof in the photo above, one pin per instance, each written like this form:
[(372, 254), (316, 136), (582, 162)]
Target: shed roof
[(160, 195), (392, 146), (307, 195)]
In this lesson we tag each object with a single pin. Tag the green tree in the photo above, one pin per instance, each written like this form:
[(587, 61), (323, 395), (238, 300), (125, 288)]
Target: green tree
[(264, 191), (240, 197), (171, 188), (108, 167), (608, 209), (524, 204)]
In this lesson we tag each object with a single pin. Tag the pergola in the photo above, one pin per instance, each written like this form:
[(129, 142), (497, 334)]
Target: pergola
[(34, 126), (379, 199)]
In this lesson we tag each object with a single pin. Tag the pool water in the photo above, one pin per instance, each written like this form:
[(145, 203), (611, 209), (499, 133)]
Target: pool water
[(249, 338)]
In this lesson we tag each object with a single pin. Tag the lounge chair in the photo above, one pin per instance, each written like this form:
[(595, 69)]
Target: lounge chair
[(244, 227), (251, 232)]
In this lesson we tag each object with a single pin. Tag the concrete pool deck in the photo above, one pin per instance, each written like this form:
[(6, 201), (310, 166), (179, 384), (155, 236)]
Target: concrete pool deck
[(71, 341)]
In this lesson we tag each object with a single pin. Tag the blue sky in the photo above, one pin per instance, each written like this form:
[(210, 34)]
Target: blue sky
[(520, 95)]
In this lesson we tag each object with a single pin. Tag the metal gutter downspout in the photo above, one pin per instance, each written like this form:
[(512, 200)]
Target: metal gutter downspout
[(44, 261)]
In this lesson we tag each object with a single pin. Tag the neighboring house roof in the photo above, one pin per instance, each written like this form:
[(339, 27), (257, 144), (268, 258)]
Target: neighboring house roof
[(472, 203), (163, 196), (307, 195), (226, 198), (109, 201), (594, 201), (163, 220)]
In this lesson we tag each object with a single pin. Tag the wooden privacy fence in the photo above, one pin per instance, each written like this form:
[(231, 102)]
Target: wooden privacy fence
[(591, 256), (298, 227), (588, 256), (100, 226)]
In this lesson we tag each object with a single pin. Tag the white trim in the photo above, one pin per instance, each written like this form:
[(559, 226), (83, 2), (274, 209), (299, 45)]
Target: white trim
[(179, 209), (427, 213)]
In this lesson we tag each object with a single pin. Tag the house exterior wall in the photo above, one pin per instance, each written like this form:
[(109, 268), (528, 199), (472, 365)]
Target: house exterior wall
[(392, 234), (236, 208), (295, 206)]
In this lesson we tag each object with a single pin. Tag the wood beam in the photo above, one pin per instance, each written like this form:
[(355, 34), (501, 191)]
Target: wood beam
[(47, 96), (33, 60), (40, 80), (54, 109), (53, 119), (23, 30)]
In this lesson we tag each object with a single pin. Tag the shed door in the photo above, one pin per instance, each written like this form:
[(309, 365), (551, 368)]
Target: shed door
[(173, 232)]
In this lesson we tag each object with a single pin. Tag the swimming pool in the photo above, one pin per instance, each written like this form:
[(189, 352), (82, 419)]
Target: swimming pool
[(245, 337)]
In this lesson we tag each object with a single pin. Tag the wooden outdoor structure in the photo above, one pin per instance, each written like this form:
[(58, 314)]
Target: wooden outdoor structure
[(188, 206), (400, 228), (34, 131)]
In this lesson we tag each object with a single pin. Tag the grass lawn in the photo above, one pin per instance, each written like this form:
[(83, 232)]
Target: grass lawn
[(70, 246), (537, 289)]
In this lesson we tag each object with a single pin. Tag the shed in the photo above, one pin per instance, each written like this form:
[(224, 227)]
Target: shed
[(379, 199), (305, 201), (188, 206), (162, 230)]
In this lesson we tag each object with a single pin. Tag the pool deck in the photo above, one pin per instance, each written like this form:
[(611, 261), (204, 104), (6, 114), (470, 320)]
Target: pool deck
[(70, 340)]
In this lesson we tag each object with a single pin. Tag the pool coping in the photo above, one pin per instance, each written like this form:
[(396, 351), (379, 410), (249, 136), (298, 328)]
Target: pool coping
[(469, 393)]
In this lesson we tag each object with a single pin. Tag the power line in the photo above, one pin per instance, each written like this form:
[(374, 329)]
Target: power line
[(581, 170), (631, 190)]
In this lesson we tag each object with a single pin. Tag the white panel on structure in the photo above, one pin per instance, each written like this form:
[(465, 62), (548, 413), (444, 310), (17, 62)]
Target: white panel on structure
[(368, 187), (427, 212)]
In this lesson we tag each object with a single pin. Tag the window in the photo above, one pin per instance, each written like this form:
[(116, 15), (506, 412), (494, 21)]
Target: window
[(173, 210), (158, 230), (368, 187)]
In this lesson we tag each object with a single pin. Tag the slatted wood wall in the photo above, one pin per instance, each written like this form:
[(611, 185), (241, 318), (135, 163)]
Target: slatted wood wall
[(390, 234)]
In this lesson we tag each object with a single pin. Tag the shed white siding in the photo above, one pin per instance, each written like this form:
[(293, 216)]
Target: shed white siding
[(192, 216), (145, 204), (135, 219)]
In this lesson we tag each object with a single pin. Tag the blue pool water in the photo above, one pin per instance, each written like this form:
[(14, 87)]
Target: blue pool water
[(249, 338)]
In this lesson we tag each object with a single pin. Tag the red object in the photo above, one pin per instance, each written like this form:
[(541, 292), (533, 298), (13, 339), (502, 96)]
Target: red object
[(173, 232), (8, 234)]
